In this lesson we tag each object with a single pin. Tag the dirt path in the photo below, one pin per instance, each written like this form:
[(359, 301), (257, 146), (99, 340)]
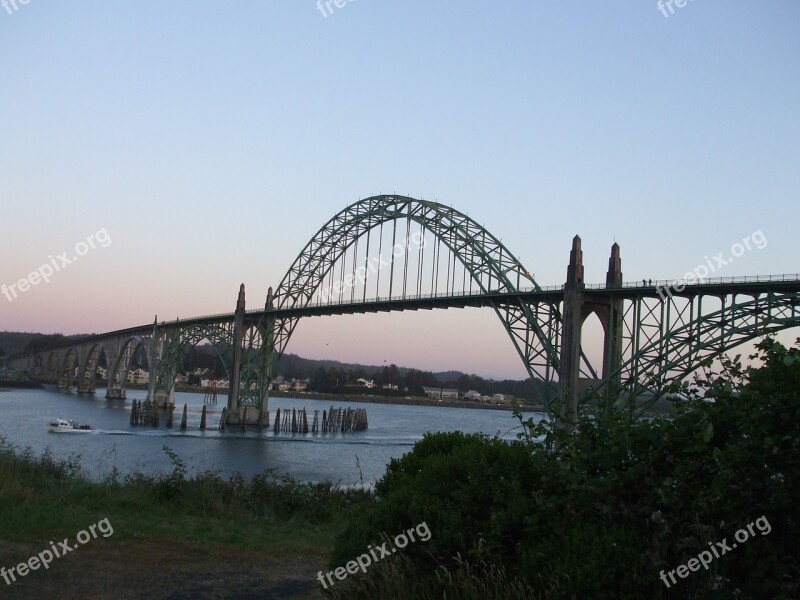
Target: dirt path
[(149, 569)]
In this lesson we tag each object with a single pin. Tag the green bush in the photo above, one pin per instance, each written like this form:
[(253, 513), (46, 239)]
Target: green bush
[(472, 493), (600, 512)]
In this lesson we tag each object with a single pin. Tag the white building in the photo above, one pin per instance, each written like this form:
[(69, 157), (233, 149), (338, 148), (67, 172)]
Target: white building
[(431, 392), (472, 395), (139, 376), (441, 393)]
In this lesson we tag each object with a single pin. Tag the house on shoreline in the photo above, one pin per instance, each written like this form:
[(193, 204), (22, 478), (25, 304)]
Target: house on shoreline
[(441, 393)]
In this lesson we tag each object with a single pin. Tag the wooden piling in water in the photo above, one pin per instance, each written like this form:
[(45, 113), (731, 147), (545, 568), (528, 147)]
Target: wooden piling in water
[(183, 419), (203, 419), (222, 419), (333, 420)]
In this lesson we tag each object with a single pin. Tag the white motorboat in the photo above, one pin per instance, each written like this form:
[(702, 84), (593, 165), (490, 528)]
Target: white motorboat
[(65, 426)]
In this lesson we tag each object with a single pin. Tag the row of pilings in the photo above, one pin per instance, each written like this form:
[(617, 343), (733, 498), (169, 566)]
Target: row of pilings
[(146, 413), (344, 420), (296, 422), (334, 420)]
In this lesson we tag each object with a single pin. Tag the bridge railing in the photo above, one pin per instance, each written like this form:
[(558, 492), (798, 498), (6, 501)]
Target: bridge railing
[(650, 283), (400, 298), (743, 279)]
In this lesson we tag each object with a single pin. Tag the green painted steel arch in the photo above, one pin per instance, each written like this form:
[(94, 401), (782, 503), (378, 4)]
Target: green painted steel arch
[(490, 264), (220, 336)]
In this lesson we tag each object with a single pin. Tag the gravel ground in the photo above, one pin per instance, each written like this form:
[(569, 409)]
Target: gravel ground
[(148, 569)]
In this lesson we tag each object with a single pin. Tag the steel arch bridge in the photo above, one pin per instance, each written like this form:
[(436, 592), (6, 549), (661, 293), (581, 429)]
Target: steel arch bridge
[(393, 253), (488, 264)]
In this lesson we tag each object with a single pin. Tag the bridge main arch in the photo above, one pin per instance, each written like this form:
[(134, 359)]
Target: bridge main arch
[(534, 330)]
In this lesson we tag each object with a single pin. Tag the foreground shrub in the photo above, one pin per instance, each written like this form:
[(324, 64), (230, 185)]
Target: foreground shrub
[(472, 493), (613, 504)]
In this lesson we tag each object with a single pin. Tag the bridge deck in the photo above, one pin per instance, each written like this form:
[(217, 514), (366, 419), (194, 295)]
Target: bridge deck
[(544, 295)]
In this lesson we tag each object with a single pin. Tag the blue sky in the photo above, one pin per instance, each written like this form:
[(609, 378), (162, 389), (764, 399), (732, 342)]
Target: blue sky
[(211, 141)]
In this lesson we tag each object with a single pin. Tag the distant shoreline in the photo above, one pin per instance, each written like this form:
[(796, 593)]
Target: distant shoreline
[(412, 400), (20, 385), (367, 399)]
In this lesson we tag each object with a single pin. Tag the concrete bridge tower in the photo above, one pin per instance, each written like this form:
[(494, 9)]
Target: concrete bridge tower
[(238, 338), (576, 309), (571, 334)]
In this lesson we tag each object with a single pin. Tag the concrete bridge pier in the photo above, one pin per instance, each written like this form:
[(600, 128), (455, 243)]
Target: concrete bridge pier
[(239, 413), (571, 335), (236, 370), (251, 367), (613, 313), (576, 310), (87, 374), (87, 385), (115, 389), (160, 389), (268, 366)]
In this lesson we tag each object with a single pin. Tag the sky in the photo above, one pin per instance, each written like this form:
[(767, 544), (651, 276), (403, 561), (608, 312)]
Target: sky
[(184, 148)]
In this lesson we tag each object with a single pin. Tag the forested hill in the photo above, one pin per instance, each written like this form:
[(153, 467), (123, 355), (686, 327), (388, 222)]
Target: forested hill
[(13, 342)]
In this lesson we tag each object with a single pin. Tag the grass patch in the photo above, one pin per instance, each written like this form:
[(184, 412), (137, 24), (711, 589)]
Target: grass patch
[(43, 498)]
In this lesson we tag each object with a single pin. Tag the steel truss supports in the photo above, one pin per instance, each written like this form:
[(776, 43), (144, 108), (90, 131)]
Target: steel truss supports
[(665, 339), (173, 343)]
